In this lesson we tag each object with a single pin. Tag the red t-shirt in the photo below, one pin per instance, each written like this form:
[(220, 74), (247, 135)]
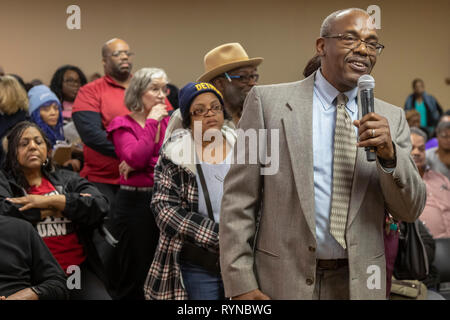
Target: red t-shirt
[(104, 96), (59, 233)]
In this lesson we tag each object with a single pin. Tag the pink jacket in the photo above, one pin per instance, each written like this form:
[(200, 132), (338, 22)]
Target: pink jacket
[(137, 146)]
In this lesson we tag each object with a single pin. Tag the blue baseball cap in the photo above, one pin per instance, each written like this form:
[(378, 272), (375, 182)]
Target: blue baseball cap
[(193, 89)]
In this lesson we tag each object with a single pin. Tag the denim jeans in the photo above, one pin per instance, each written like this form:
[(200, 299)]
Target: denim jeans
[(201, 284)]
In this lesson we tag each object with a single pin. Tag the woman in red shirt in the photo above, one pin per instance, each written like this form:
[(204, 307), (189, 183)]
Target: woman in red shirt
[(64, 207)]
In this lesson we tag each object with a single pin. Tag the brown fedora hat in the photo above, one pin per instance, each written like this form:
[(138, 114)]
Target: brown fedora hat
[(224, 58)]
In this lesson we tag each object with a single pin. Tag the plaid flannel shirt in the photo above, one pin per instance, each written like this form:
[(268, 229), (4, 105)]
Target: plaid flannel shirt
[(175, 205)]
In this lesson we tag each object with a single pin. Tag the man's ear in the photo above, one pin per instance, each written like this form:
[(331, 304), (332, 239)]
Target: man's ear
[(218, 83), (320, 47)]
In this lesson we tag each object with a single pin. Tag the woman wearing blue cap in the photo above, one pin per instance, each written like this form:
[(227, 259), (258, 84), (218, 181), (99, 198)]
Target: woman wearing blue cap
[(45, 110), (186, 200)]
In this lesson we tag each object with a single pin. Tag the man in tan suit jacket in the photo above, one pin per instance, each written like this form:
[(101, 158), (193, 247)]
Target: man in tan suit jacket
[(270, 243)]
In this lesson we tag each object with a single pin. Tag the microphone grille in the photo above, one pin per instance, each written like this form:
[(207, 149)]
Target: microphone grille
[(366, 81)]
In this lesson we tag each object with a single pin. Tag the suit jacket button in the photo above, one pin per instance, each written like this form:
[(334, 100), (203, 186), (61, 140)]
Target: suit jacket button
[(312, 249), (309, 281)]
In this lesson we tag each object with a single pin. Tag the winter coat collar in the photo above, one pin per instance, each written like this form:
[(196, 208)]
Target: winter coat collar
[(180, 147)]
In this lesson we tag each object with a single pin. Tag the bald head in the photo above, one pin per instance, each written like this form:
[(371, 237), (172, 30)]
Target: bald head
[(117, 59), (110, 45), (327, 25)]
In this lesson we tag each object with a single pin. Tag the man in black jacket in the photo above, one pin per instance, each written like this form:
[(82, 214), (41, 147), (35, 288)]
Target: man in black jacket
[(28, 271)]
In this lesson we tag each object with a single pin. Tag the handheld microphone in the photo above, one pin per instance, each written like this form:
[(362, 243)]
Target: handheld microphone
[(366, 83)]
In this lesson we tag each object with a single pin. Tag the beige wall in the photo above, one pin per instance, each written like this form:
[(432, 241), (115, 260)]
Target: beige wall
[(176, 35)]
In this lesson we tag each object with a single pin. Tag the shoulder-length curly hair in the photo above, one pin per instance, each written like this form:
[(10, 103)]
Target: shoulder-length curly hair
[(58, 78), (11, 165)]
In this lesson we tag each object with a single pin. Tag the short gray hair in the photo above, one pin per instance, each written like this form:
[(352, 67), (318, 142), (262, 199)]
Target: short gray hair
[(327, 23), (419, 132), (443, 125), (139, 84)]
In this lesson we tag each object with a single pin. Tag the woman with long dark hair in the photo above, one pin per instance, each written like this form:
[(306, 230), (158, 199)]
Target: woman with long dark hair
[(64, 208), (65, 83)]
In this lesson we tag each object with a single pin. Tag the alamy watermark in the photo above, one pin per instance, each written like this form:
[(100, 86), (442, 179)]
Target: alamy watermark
[(74, 277), (375, 16), (251, 147), (73, 21), (374, 279)]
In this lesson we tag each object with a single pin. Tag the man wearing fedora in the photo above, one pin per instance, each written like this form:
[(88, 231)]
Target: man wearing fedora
[(320, 229), (230, 70), (233, 73)]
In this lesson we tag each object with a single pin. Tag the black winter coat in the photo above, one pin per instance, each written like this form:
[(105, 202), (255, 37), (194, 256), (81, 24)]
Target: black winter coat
[(86, 212)]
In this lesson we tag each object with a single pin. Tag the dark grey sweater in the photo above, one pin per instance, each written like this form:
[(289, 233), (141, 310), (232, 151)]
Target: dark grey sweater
[(25, 261)]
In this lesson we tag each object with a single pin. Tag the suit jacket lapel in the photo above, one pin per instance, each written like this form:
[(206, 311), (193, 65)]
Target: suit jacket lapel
[(361, 177), (298, 131)]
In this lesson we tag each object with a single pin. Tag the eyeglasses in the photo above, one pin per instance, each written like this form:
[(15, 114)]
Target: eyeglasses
[(72, 81), (156, 90), (352, 42), (243, 78), (201, 111), (117, 54)]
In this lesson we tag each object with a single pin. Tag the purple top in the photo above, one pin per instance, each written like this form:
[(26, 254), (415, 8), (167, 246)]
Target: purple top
[(432, 143), (136, 145)]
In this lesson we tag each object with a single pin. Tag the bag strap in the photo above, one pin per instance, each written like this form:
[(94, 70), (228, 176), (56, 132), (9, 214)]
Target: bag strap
[(205, 191), (422, 245)]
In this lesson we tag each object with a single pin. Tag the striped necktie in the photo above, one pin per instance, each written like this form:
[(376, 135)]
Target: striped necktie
[(343, 167)]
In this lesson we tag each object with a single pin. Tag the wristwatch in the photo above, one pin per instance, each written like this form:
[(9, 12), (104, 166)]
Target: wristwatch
[(389, 163), (37, 291)]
